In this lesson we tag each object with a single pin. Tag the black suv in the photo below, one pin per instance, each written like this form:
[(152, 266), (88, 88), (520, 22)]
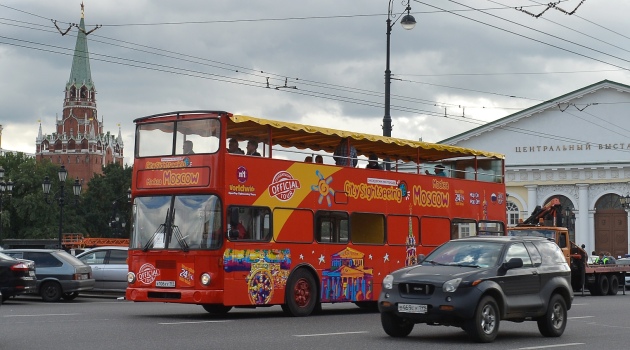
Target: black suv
[(473, 283)]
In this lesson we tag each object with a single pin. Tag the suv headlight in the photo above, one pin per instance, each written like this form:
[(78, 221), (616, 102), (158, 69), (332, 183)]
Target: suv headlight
[(451, 285), (388, 282)]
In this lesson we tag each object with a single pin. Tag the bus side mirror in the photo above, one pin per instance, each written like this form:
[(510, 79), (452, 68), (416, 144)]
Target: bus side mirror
[(421, 258)]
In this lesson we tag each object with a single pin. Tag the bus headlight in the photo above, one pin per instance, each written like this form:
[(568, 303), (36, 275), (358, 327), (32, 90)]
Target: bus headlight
[(131, 277), (205, 279), (388, 282)]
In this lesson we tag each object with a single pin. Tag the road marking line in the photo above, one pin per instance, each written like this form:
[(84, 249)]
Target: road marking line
[(40, 315), (192, 322), (576, 317), (323, 334), (550, 346)]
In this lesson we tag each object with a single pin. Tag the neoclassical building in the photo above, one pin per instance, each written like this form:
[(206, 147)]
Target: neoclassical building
[(79, 142), (575, 147)]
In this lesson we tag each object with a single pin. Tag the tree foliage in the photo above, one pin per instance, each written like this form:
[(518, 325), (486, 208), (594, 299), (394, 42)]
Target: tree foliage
[(27, 214)]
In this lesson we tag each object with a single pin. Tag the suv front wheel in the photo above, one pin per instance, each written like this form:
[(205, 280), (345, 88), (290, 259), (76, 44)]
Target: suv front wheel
[(555, 320), (484, 325)]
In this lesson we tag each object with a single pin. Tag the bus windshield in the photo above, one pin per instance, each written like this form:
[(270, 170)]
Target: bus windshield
[(177, 222), (173, 137)]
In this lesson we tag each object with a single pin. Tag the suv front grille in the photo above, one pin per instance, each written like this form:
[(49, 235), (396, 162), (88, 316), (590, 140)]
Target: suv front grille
[(415, 289)]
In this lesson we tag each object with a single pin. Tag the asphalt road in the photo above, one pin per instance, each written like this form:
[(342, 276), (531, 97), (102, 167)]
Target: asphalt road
[(103, 322)]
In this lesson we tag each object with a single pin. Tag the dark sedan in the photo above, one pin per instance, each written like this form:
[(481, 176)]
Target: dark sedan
[(474, 283), (16, 276)]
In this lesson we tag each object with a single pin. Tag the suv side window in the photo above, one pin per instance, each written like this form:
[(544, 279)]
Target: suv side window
[(517, 250), (533, 252), (551, 253)]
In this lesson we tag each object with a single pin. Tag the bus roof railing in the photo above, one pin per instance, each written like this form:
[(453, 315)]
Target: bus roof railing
[(301, 136)]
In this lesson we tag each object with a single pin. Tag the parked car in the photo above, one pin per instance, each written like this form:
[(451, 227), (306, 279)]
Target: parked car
[(474, 283), (109, 268), (625, 261), (16, 276), (59, 274)]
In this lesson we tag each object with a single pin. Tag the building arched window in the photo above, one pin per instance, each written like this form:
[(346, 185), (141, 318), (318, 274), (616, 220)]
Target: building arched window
[(513, 215)]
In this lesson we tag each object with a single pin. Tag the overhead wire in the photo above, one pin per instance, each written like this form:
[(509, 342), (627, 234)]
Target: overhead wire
[(187, 72)]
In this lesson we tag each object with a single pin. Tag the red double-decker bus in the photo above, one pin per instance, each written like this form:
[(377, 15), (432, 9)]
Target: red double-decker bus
[(218, 228)]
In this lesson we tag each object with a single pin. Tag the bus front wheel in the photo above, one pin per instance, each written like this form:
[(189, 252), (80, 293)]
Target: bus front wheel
[(301, 294)]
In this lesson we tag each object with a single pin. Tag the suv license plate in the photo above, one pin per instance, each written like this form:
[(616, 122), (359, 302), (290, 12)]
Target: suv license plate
[(412, 308)]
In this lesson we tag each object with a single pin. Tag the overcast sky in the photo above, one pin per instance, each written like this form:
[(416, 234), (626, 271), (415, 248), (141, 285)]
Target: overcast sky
[(472, 61)]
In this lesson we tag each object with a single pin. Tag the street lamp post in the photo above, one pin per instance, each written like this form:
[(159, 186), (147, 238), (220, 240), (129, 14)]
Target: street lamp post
[(5, 187), (407, 22), (60, 197), (117, 224)]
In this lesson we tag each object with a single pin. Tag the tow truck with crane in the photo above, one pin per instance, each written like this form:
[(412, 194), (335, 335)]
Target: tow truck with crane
[(546, 221)]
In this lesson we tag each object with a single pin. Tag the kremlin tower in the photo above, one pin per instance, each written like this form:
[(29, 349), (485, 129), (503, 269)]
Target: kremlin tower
[(79, 142)]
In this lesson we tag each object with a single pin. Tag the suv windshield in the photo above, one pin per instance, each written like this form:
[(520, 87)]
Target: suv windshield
[(473, 254), (177, 222)]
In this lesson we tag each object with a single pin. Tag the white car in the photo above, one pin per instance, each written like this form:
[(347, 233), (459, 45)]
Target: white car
[(109, 267)]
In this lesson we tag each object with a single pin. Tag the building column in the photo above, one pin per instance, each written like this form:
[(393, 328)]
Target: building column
[(591, 228), (584, 218), (628, 228), (532, 200)]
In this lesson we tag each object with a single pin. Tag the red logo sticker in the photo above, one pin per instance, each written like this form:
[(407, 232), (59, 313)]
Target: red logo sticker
[(283, 186), (147, 273)]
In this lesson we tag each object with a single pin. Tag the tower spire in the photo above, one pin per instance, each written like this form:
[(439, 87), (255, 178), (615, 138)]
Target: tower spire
[(80, 73)]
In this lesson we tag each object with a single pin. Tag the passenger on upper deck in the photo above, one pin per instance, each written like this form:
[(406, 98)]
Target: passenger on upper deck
[(341, 154), (233, 147), (439, 171), (319, 159), (373, 163), (188, 147), (251, 148), (308, 159)]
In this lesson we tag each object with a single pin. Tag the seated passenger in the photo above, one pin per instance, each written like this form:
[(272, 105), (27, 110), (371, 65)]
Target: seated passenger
[(373, 162), (319, 159), (439, 171), (233, 147), (252, 147), (188, 147), (308, 159)]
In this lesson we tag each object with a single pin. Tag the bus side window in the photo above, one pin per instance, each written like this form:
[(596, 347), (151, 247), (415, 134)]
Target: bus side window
[(250, 223), (332, 227)]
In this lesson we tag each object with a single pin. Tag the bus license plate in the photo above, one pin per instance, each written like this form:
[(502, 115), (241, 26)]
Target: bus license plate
[(165, 284), (412, 308)]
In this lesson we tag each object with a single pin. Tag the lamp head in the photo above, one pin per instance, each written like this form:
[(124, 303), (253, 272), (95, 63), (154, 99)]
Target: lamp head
[(76, 187), (63, 174), (408, 22)]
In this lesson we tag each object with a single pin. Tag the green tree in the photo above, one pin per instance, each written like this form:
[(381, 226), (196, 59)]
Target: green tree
[(105, 197)]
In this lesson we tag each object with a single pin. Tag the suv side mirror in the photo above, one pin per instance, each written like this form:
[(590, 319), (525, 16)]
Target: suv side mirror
[(513, 263)]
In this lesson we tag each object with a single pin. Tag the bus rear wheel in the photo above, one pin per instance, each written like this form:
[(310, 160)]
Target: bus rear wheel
[(300, 296), (217, 309)]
